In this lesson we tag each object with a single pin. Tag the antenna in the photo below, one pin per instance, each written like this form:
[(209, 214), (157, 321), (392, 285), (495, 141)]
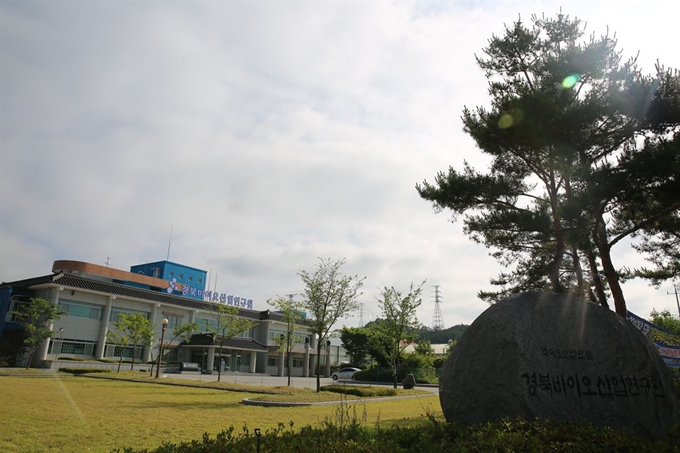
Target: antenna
[(169, 242), (108, 258), (437, 321)]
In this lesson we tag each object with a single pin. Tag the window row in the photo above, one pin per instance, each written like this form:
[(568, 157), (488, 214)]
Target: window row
[(298, 338), (211, 325), (274, 361), (85, 348), (80, 309)]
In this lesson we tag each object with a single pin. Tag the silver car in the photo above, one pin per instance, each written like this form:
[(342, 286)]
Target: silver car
[(345, 373)]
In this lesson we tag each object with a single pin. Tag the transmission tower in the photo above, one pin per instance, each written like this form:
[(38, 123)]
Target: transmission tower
[(437, 321), (361, 314)]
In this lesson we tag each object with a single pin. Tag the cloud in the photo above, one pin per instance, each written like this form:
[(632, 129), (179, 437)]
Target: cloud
[(267, 133)]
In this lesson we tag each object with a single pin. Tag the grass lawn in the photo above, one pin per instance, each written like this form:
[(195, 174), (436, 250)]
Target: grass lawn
[(63, 413)]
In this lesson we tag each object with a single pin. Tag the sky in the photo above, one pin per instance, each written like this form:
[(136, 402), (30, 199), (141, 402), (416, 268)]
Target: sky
[(265, 135)]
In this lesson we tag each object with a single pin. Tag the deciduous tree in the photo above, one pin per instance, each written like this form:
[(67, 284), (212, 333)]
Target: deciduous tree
[(292, 313), (185, 332), (329, 296), (228, 325), (131, 329), (37, 317), (399, 322), (356, 341), (666, 320)]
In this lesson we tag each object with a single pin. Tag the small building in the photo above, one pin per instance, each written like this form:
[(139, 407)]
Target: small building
[(92, 297)]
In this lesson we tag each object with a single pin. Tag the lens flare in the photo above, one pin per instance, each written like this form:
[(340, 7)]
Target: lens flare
[(512, 118), (505, 121), (570, 81)]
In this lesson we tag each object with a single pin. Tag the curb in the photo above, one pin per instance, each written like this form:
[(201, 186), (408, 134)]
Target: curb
[(253, 402)]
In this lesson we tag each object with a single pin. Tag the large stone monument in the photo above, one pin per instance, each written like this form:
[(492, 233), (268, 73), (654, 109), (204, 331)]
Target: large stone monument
[(556, 357)]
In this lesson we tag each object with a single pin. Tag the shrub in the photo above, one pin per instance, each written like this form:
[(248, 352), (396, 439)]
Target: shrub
[(359, 391), (84, 370), (417, 361), (348, 432), (426, 375)]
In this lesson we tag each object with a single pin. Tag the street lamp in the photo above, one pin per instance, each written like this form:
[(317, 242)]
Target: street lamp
[(160, 351), (61, 335)]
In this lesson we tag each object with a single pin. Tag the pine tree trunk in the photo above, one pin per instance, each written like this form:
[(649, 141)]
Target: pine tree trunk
[(609, 271), (594, 271)]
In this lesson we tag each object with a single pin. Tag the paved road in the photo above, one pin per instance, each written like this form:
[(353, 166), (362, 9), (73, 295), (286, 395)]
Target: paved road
[(274, 381)]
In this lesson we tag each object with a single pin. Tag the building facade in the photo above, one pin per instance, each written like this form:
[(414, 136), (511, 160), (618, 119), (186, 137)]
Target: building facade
[(92, 297)]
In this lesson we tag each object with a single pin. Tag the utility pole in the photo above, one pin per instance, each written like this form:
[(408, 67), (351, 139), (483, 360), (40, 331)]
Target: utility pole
[(677, 300)]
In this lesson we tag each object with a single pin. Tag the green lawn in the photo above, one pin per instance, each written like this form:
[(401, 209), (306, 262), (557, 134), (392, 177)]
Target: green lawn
[(64, 413)]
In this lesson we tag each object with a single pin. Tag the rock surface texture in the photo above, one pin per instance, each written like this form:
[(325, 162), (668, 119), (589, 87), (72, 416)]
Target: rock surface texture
[(409, 382), (556, 357)]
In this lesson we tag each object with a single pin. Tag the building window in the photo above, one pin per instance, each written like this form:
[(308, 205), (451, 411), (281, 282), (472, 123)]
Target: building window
[(116, 351), (171, 355), (85, 348), (80, 309), (274, 335), (204, 325), (17, 302), (191, 278), (272, 361), (116, 312), (200, 280), (172, 274), (156, 272), (245, 359), (246, 334), (297, 363), (181, 275), (174, 321)]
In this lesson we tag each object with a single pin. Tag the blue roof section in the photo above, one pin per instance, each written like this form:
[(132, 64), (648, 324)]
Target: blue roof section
[(164, 262)]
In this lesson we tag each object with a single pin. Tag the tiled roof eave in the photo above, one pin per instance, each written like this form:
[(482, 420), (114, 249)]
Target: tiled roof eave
[(73, 282)]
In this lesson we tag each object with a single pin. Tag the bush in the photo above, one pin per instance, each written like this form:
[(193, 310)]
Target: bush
[(426, 375), (359, 391), (84, 370), (348, 432)]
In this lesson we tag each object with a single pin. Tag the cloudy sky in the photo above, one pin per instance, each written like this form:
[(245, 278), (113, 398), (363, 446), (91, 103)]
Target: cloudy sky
[(266, 133)]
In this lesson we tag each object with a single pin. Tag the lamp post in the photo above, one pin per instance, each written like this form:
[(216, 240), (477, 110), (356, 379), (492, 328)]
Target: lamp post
[(61, 335), (160, 350)]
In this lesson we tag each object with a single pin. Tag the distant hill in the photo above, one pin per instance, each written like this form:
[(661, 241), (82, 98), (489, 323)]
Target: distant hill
[(442, 336)]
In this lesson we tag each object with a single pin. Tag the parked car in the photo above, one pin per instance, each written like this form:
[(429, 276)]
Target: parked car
[(345, 373), (189, 366)]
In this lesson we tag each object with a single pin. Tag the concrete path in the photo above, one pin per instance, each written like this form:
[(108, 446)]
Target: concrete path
[(276, 381)]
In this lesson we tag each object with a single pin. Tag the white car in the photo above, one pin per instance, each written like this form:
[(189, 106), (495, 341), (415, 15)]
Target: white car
[(345, 373)]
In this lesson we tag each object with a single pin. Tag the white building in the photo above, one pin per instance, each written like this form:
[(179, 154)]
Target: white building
[(92, 297)]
